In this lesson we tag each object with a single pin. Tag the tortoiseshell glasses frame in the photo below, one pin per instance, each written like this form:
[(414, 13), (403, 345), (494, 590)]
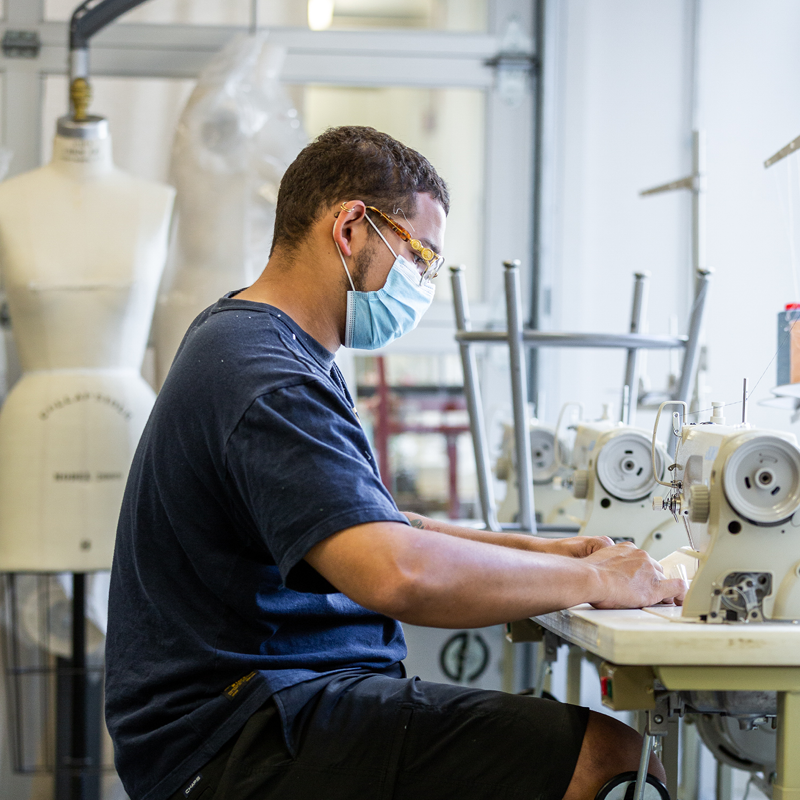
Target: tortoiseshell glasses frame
[(433, 261)]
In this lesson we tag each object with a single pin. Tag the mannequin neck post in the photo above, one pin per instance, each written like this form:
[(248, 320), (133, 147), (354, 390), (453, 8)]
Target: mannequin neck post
[(82, 149)]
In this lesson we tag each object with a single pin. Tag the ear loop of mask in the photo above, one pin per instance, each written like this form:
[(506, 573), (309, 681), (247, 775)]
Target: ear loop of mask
[(341, 255), (381, 235)]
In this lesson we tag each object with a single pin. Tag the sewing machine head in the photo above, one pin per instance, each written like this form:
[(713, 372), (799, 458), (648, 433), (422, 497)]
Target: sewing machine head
[(696, 449), (737, 490), (552, 502), (616, 479), (544, 456), (587, 433)]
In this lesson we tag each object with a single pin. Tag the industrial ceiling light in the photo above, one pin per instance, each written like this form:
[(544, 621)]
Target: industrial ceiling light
[(320, 14)]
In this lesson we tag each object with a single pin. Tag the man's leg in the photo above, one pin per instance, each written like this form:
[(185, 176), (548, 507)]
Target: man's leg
[(381, 738), (609, 748)]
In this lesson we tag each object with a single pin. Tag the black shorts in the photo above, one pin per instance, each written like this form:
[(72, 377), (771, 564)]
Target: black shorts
[(402, 739)]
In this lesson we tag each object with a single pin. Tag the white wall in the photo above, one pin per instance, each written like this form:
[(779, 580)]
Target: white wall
[(619, 119), (616, 100), (750, 105)]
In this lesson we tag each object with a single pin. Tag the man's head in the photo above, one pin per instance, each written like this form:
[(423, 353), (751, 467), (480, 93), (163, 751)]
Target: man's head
[(349, 162)]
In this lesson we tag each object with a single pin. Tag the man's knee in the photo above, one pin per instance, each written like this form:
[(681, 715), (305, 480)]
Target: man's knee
[(609, 747)]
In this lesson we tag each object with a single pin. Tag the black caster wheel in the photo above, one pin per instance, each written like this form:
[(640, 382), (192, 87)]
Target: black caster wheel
[(622, 787)]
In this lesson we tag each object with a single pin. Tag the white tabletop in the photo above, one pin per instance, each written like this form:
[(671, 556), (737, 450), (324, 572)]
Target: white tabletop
[(657, 636)]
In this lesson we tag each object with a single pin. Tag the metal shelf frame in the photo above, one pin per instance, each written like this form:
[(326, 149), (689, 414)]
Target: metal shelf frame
[(519, 339)]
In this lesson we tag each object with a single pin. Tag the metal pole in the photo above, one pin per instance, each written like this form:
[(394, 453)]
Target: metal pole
[(574, 662), (253, 17), (670, 756), (692, 351), (648, 740), (625, 413), (474, 405), (453, 503), (724, 788), (690, 761), (621, 341), (698, 200), (78, 750), (536, 233), (640, 286), (744, 402), (519, 397)]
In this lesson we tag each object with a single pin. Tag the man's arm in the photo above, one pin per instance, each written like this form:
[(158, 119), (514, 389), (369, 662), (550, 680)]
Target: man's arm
[(576, 546), (429, 578)]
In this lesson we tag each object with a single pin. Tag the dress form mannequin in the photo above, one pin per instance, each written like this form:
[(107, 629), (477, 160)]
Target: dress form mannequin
[(82, 249)]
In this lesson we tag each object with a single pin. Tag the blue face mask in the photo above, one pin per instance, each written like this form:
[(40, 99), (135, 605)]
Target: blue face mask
[(374, 319)]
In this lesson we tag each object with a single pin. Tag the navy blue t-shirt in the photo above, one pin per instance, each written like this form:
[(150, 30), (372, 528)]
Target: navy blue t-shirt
[(252, 455)]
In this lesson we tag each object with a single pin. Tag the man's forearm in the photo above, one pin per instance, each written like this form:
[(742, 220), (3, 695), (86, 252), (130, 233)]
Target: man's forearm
[(428, 578), (518, 541)]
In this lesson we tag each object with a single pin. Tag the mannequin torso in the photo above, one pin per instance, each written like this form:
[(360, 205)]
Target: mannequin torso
[(82, 248)]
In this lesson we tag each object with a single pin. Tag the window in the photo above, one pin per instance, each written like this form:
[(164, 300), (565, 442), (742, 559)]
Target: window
[(443, 15), (430, 72)]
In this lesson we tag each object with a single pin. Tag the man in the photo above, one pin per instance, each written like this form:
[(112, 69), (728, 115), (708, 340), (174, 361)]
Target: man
[(260, 567)]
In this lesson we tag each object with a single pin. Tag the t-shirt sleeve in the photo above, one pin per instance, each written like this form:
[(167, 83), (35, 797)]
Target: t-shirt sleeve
[(305, 470)]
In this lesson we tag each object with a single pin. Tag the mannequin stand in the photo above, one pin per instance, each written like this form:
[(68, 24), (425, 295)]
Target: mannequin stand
[(77, 717)]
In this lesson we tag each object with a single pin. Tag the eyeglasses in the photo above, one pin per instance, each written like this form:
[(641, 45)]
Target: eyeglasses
[(433, 261)]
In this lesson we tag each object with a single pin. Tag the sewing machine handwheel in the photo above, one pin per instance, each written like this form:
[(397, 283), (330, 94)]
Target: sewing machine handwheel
[(622, 787), (580, 484)]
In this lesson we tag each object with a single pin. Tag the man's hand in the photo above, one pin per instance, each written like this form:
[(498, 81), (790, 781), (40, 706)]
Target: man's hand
[(576, 546), (631, 579)]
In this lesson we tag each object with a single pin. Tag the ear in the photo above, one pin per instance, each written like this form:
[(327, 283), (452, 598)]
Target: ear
[(349, 217)]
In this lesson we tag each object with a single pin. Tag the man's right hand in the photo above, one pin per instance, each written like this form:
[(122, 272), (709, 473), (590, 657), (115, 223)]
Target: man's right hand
[(631, 579)]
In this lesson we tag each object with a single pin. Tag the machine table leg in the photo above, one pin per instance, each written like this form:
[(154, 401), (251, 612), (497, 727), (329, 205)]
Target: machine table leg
[(787, 785)]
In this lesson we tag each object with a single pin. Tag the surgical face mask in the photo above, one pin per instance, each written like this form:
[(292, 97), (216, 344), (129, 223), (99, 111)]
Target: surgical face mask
[(374, 319)]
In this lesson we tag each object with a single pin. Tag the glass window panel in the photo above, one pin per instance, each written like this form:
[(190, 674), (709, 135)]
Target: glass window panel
[(444, 15), (442, 369), (447, 127), (142, 113), (419, 427)]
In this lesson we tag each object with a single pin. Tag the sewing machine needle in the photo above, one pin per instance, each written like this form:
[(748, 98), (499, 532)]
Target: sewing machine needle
[(688, 532)]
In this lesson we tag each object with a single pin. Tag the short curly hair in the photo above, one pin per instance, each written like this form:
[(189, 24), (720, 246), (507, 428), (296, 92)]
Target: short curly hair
[(347, 163)]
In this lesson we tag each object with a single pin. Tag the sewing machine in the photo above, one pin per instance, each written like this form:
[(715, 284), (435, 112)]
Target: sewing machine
[(554, 502), (737, 490), (613, 474), (730, 657)]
